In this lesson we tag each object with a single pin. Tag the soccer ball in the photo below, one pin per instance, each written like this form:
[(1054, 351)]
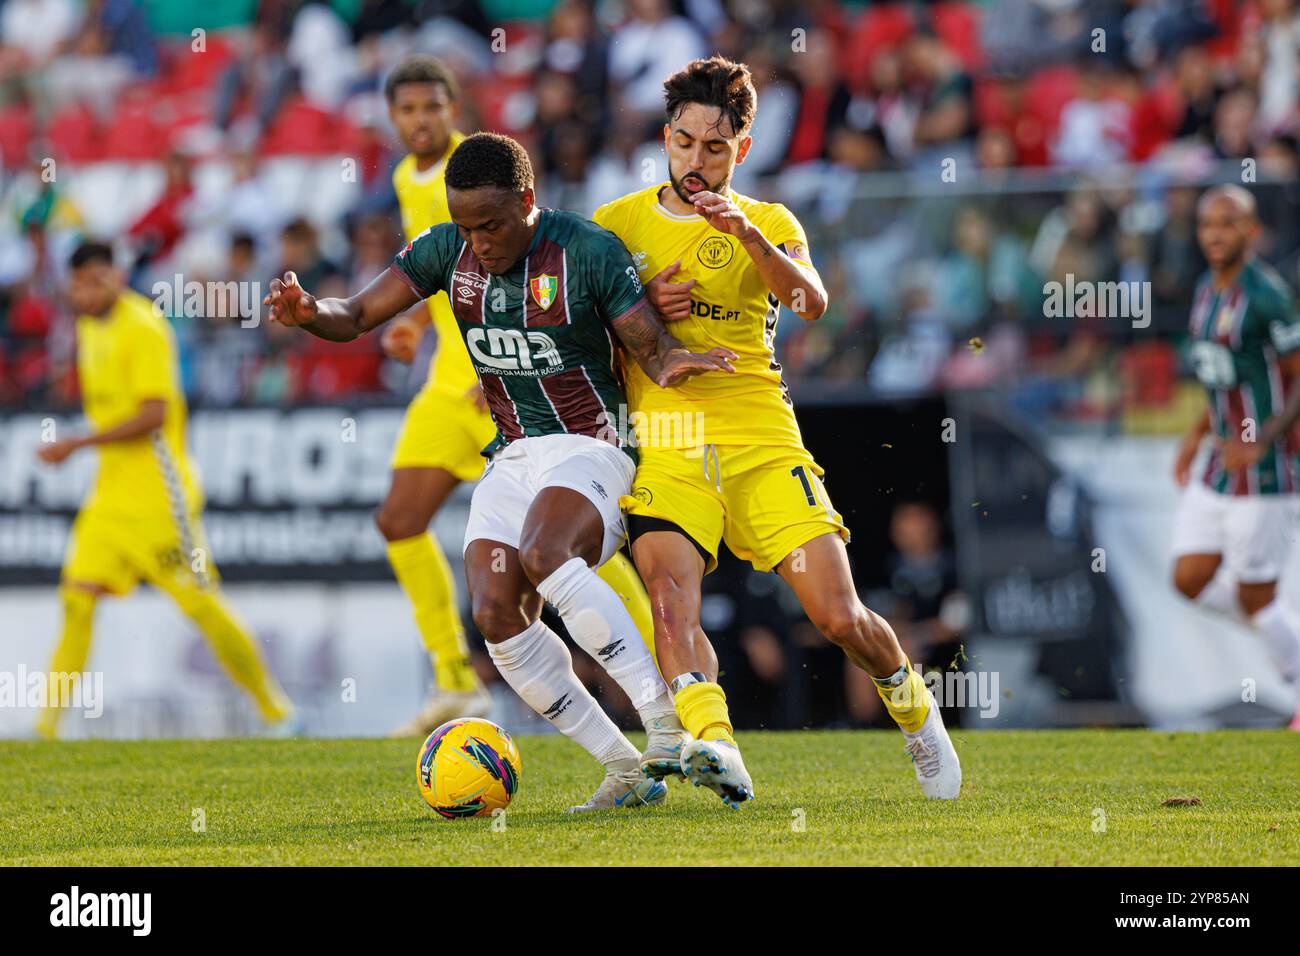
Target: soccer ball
[(468, 768)]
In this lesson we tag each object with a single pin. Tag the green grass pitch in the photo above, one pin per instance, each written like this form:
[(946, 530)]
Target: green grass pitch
[(1038, 797)]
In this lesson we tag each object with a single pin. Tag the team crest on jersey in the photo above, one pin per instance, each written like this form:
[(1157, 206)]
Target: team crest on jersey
[(543, 288), (715, 252)]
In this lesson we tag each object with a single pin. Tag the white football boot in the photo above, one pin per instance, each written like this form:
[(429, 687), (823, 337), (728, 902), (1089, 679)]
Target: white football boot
[(624, 789), (444, 705), (665, 738), (938, 770), (716, 764)]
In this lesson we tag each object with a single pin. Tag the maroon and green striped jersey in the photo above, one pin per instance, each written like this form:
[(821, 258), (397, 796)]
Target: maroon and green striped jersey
[(1237, 335), (539, 335)]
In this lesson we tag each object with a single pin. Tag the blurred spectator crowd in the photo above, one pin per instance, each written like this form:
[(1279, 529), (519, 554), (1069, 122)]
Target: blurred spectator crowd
[(947, 159)]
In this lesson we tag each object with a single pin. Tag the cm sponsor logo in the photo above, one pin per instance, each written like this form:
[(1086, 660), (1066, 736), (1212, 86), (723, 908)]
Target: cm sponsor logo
[(512, 350)]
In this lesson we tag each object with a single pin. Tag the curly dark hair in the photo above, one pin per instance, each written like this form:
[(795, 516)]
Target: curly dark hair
[(89, 251), (421, 68), (489, 159), (718, 82)]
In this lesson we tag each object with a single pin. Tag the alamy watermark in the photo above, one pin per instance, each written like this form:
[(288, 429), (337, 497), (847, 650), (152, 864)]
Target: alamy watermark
[(1083, 299), (210, 300), (41, 689), (951, 688), (652, 429)]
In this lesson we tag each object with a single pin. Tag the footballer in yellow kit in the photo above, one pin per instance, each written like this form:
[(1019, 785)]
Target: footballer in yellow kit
[(447, 424), (721, 458), (140, 520), (735, 467)]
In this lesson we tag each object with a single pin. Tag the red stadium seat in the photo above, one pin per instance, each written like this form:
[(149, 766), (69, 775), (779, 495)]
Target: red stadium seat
[(75, 135), (1000, 103), (134, 134), (31, 316), (328, 371), (1047, 93), (878, 28), (306, 130), (1149, 373), (1155, 119), (1230, 16), (493, 94), (187, 71), (29, 368), (16, 131), (958, 26)]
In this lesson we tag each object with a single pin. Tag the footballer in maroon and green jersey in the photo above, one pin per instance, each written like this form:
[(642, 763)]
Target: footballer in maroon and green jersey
[(1237, 335), (539, 334)]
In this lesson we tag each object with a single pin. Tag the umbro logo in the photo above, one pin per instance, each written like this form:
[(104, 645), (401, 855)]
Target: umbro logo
[(610, 650), (557, 708), (600, 489)]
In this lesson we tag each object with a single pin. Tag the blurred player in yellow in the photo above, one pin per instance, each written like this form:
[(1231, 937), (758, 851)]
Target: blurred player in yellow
[(140, 521), (721, 456), (447, 424)]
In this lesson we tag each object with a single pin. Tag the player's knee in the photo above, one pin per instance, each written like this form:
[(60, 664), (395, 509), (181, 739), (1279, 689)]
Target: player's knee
[(1188, 582), (497, 620), (1255, 597), (398, 524), (846, 622), (541, 558)]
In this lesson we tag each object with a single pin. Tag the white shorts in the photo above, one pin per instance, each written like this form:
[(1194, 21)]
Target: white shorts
[(515, 475), (1253, 533)]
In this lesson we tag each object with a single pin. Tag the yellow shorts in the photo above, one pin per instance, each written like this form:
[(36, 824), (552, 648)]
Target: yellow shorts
[(444, 429), (764, 501), (117, 552)]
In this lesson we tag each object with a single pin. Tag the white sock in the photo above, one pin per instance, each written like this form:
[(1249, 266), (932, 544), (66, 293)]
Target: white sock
[(1281, 637), (598, 621), (1221, 595), (537, 665)]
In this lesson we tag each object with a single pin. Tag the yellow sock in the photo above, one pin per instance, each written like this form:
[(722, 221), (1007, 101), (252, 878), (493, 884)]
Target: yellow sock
[(424, 574), (908, 702), (234, 647), (620, 575), (70, 653), (703, 711)]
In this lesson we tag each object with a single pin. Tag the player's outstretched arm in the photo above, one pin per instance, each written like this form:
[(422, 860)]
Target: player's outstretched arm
[(339, 320), (152, 414), (661, 356)]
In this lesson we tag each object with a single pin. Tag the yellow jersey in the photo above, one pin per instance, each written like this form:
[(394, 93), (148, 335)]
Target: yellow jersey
[(422, 197), (731, 306), (122, 359)]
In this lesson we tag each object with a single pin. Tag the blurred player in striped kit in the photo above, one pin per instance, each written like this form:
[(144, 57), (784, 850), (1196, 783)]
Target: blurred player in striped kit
[(1236, 523)]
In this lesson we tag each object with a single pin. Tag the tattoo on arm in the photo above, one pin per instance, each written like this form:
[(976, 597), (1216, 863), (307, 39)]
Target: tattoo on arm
[(643, 334)]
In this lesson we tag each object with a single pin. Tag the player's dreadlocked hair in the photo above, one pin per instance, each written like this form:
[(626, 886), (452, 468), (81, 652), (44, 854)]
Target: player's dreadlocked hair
[(489, 159), (421, 69), (718, 82)]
